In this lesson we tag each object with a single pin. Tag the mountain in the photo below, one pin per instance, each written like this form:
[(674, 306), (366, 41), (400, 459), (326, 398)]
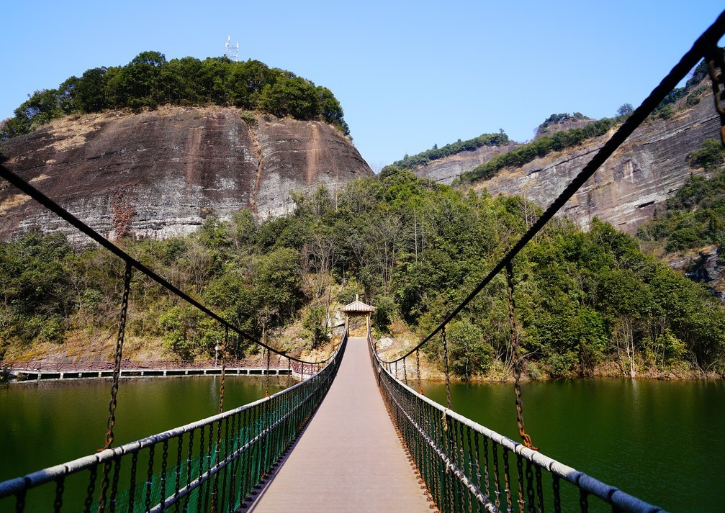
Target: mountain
[(161, 172), (649, 167)]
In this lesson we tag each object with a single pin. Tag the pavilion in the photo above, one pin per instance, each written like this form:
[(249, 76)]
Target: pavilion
[(357, 307)]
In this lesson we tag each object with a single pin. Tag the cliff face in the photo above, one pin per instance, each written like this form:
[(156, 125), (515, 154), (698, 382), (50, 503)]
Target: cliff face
[(160, 173), (447, 169), (647, 169)]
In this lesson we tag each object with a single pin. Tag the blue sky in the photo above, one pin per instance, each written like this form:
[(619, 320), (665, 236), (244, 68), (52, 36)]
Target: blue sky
[(408, 74)]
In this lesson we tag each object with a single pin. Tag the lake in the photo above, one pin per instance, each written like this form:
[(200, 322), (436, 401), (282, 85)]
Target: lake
[(46, 423), (661, 441)]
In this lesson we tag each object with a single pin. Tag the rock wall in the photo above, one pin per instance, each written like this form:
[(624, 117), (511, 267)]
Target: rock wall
[(647, 169), (447, 169), (160, 173)]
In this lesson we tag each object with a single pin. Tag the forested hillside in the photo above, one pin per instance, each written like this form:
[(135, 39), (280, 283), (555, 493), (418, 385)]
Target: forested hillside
[(436, 153), (586, 301), (695, 216), (149, 80)]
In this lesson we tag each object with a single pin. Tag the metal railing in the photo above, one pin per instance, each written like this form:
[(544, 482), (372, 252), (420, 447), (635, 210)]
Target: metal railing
[(48, 366), (468, 467), (209, 465), (459, 459)]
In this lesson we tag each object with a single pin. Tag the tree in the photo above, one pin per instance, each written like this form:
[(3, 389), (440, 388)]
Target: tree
[(468, 352), (625, 109)]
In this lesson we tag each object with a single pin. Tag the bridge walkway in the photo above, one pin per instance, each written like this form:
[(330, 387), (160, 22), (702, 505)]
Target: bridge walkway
[(349, 457)]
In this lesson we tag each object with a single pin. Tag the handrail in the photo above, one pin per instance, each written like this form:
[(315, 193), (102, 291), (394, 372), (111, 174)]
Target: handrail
[(92, 366), (439, 438), (260, 432)]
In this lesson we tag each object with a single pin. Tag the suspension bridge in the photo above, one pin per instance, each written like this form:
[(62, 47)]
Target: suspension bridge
[(352, 435)]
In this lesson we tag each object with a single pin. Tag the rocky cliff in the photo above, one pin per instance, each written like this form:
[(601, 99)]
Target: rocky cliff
[(160, 173), (640, 176), (449, 168)]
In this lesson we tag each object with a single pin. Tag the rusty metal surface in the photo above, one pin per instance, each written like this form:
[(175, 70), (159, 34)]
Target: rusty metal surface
[(349, 458)]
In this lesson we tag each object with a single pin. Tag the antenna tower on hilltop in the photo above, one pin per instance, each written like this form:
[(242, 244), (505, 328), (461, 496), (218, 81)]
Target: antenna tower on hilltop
[(232, 51)]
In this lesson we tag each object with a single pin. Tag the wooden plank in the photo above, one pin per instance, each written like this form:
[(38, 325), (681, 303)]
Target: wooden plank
[(349, 458)]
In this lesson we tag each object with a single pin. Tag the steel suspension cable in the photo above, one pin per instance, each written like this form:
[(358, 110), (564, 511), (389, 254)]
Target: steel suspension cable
[(716, 68), (703, 46)]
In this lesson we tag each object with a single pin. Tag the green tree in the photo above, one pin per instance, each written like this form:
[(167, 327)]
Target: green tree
[(469, 354)]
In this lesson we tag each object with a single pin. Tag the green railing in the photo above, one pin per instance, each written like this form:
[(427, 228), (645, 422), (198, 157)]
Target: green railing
[(470, 468), (209, 465)]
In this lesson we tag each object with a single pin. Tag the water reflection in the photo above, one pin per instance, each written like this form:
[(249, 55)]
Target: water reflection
[(46, 423), (662, 441)]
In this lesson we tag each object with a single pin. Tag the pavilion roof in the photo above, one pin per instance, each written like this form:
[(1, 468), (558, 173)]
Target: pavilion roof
[(357, 307)]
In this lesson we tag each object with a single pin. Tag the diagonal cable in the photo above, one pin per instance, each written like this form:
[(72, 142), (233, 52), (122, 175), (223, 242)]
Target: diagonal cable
[(704, 43), (98, 238)]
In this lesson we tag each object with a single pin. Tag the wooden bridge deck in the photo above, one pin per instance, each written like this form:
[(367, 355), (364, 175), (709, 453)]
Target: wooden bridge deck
[(349, 457)]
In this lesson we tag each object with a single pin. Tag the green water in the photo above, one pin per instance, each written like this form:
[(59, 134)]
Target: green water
[(661, 441), (46, 423)]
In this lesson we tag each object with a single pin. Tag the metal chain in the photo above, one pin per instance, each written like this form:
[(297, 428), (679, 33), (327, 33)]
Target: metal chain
[(517, 360), (164, 466), (217, 456), (233, 481), (716, 67), (417, 363), (202, 451), (224, 370), (150, 477), (557, 494), (104, 486), (132, 486), (539, 489), (59, 489), (91, 487), (189, 463), (114, 485), (507, 480), (179, 467), (119, 355), (445, 358), (520, 476), (496, 478), (583, 501), (227, 445), (530, 495), (266, 382)]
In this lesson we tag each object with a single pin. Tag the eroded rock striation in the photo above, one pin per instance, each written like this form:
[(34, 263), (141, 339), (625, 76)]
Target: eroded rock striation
[(646, 170), (449, 168), (639, 177), (161, 173)]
